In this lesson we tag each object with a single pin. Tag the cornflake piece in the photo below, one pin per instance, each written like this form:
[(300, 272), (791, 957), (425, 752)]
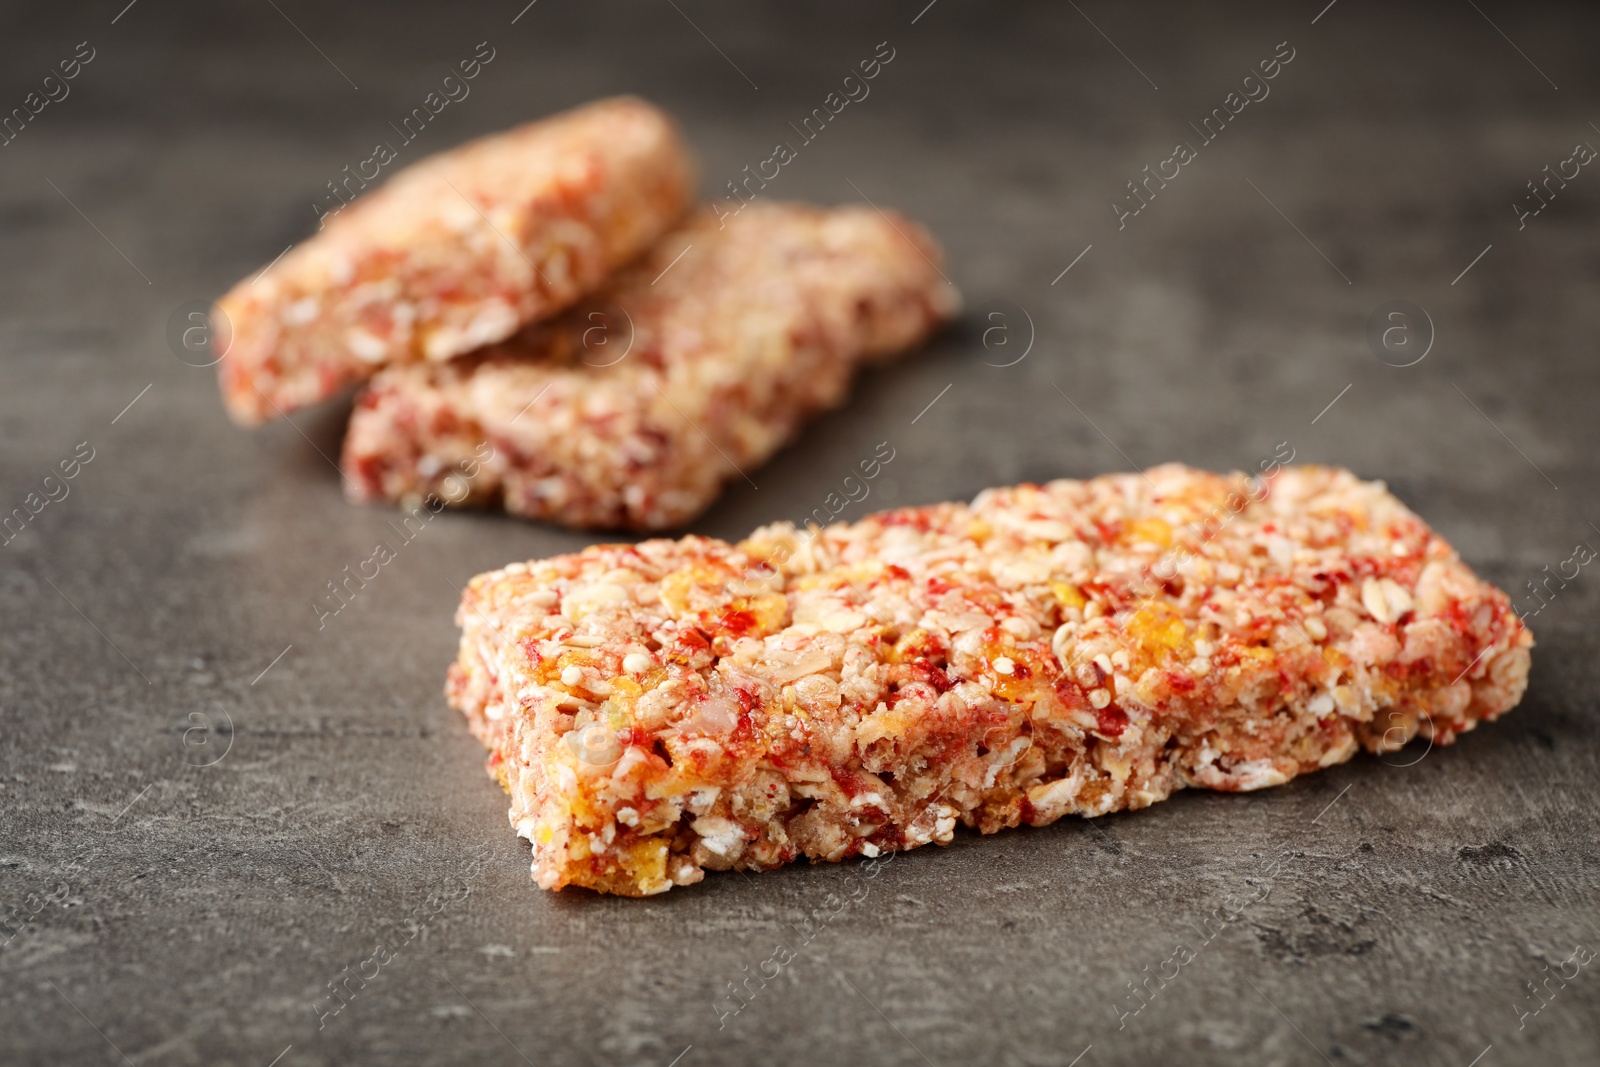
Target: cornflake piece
[(689, 368), (453, 253), (758, 736)]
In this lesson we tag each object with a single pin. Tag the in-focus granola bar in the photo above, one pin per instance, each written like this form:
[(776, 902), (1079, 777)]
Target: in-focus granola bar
[(662, 709)]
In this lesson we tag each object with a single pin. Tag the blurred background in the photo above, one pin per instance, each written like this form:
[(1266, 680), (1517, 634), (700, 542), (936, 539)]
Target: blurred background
[(1383, 256)]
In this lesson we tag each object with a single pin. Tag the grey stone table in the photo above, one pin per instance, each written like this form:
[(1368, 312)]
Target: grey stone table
[(213, 808)]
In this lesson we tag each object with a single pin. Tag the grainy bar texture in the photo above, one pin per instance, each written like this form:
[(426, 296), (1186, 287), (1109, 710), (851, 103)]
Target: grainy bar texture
[(661, 709), (695, 363), (454, 253)]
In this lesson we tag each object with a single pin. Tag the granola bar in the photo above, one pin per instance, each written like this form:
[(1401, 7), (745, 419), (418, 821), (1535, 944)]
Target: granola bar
[(662, 709), (688, 369), (453, 253)]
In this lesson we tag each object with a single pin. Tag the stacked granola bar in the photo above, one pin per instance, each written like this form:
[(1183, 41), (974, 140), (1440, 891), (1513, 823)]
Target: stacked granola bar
[(688, 368), (700, 348), (454, 253)]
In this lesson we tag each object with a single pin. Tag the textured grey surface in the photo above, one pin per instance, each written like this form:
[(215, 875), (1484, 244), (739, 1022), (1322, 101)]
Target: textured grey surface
[(194, 914)]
